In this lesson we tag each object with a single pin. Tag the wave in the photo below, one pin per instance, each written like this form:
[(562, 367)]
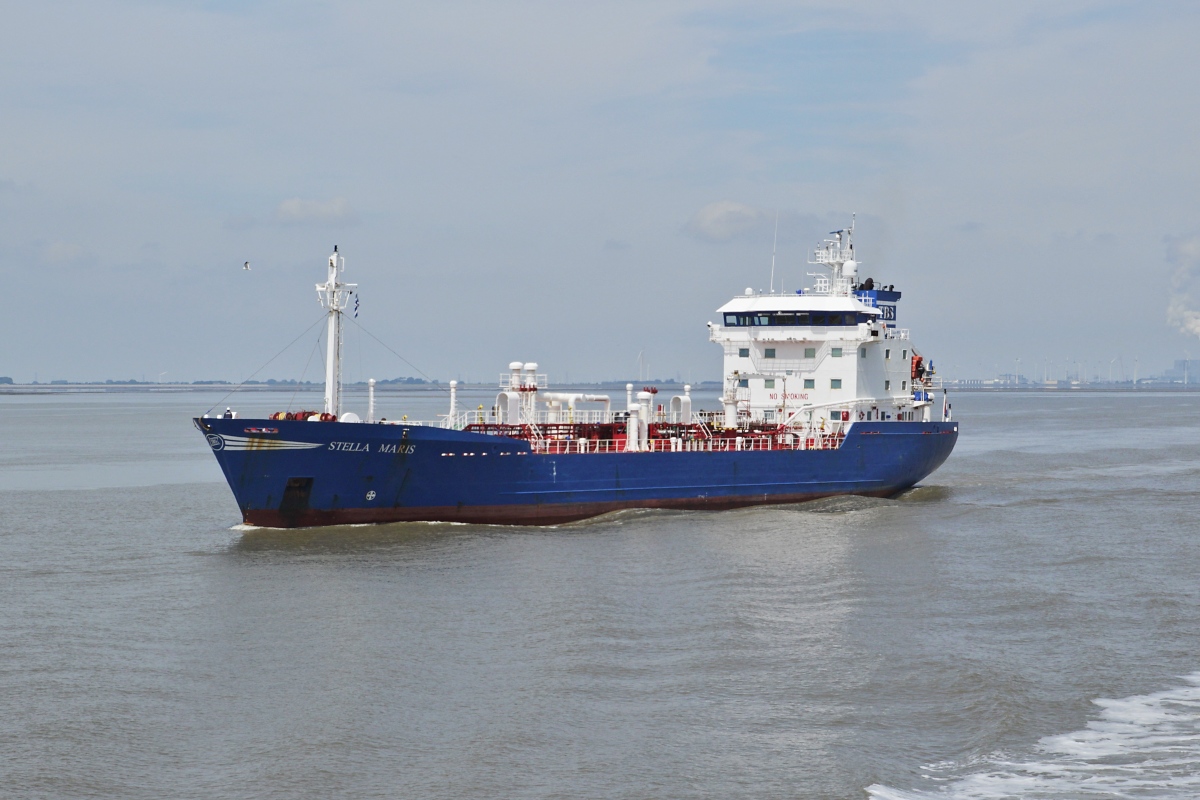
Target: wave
[(1145, 746)]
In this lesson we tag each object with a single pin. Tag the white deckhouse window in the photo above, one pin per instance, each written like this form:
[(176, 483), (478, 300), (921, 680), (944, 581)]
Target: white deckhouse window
[(837, 352), (835, 383), (770, 353), (810, 352)]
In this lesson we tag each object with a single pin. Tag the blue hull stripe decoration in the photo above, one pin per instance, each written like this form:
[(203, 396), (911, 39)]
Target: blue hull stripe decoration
[(231, 442)]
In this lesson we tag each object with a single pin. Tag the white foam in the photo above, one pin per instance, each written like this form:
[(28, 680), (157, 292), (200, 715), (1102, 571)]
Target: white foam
[(1140, 747)]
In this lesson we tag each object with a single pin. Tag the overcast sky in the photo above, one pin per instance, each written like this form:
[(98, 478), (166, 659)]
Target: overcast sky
[(578, 183)]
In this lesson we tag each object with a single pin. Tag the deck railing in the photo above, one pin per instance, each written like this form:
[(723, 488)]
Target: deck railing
[(820, 441), (805, 420)]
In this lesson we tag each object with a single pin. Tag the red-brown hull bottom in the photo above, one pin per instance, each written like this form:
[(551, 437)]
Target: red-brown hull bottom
[(548, 514)]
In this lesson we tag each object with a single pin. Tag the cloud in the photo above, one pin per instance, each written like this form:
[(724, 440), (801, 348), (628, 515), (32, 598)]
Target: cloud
[(725, 220), (297, 211), (1183, 311), (62, 253)]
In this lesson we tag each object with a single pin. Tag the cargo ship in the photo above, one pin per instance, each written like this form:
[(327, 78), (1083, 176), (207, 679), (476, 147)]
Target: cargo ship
[(823, 394)]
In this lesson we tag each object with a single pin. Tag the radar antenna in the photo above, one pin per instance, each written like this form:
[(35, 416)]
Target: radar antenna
[(837, 254)]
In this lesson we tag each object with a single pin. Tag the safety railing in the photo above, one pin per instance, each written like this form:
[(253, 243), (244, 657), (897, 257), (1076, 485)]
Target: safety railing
[(524, 380), (542, 417), (729, 444)]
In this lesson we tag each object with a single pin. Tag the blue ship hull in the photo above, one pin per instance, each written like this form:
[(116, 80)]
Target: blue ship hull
[(297, 474)]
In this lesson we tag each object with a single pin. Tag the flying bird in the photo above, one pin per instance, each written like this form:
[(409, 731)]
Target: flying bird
[(246, 266)]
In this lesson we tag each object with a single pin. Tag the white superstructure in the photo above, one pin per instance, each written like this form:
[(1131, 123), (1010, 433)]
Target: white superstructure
[(828, 352)]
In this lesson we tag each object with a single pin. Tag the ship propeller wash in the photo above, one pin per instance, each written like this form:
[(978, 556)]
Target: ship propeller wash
[(823, 395)]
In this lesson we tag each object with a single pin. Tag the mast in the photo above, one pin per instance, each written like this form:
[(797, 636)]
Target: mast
[(838, 255), (333, 296)]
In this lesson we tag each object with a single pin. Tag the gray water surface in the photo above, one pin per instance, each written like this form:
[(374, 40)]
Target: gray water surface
[(1024, 624)]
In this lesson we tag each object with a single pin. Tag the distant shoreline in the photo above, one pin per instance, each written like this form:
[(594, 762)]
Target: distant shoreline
[(380, 388), (409, 388)]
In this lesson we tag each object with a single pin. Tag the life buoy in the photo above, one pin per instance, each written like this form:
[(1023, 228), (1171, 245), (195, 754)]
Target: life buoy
[(861, 416)]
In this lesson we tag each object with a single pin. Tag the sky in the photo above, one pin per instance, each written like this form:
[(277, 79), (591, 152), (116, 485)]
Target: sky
[(582, 185)]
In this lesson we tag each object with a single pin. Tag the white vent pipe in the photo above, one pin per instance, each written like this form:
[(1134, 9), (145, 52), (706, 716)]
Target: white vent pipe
[(508, 408), (730, 412), (644, 400), (632, 431), (571, 398)]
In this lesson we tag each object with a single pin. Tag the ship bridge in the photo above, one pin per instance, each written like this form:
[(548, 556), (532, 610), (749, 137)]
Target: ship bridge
[(823, 346)]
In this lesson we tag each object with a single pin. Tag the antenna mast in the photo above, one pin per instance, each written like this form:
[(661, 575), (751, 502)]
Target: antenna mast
[(333, 296), (773, 245)]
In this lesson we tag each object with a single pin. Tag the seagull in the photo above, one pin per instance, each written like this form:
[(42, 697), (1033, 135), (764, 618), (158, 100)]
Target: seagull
[(246, 266)]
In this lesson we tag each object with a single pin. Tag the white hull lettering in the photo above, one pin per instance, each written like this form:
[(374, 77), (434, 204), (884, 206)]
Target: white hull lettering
[(350, 447)]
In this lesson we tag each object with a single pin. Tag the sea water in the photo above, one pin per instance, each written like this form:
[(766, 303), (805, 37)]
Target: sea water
[(1026, 623)]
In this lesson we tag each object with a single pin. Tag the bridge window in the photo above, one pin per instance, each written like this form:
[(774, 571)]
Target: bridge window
[(792, 319), (810, 352), (769, 383), (744, 383), (810, 383), (836, 352), (835, 383), (743, 352), (770, 353)]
